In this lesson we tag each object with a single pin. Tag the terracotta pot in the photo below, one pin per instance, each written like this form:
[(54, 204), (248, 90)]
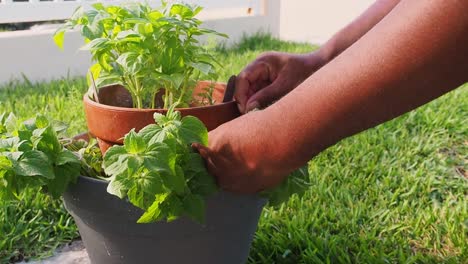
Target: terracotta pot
[(113, 117)]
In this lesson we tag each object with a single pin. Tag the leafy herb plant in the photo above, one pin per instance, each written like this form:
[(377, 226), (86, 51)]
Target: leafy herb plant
[(159, 172), (32, 156), (145, 49)]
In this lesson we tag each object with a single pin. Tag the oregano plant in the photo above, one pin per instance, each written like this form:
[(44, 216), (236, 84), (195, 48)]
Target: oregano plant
[(150, 51), (159, 172), (32, 156)]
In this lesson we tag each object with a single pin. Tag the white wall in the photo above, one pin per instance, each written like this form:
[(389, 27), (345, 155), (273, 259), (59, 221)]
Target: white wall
[(315, 21), (34, 54)]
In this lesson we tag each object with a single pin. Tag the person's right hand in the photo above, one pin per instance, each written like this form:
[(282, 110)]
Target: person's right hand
[(271, 76)]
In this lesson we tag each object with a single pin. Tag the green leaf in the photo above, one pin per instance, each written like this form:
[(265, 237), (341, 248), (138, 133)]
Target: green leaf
[(127, 34), (182, 10), (87, 32), (98, 6), (161, 119), (9, 144), (5, 163), (113, 154), (150, 131), (95, 72), (134, 143), (98, 43), (13, 155), (64, 175), (175, 79), (194, 206), (134, 163), (136, 197), (193, 130), (77, 13), (59, 126), (135, 20), (204, 68), (42, 121), (197, 10), (108, 79), (65, 157), (174, 206), (203, 183), (129, 61), (154, 211), (117, 167), (151, 183), (105, 61), (34, 163), (195, 163), (160, 158), (119, 186), (59, 37), (154, 15), (175, 181), (11, 123)]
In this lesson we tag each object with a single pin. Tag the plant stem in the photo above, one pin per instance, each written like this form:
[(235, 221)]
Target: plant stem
[(166, 97), (184, 86), (138, 93), (129, 85)]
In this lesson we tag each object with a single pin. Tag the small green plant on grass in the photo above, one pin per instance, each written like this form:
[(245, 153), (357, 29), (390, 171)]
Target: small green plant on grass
[(146, 49)]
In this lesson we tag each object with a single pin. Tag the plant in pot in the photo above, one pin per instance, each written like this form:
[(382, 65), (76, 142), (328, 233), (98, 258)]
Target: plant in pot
[(146, 60), (145, 170)]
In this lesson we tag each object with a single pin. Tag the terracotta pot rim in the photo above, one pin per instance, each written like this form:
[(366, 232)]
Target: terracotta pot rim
[(92, 103)]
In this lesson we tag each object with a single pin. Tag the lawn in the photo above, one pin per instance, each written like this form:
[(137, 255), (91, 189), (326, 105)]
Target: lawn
[(393, 194)]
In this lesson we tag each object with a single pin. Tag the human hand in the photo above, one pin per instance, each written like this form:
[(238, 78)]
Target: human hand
[(236, 155), (271, 76)]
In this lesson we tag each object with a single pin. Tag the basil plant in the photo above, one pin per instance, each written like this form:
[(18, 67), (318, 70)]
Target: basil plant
[(150, 51)]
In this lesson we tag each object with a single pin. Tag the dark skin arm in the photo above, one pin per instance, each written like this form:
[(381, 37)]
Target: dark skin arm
[(416, 53), (273, 74)]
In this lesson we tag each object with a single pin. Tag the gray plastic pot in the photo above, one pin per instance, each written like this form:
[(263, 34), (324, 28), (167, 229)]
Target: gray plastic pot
[(110, 233)]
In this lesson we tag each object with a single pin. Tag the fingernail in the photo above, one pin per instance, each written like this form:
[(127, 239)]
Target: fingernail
[(239, 106), (252, 106)]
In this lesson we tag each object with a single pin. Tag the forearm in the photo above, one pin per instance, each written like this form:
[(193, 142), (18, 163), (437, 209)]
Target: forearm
[(356, 29), (416, 53)]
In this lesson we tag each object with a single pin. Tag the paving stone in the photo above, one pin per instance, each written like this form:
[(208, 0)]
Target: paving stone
[(75, 253)]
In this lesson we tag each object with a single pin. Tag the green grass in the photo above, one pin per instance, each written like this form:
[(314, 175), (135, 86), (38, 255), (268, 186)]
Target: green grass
[(393, 194)]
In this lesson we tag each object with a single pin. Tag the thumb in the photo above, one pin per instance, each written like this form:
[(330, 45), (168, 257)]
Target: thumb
[(202, 150)]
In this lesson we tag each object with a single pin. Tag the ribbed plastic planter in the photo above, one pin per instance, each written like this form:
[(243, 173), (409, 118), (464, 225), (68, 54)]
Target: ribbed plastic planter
[(111, 235)]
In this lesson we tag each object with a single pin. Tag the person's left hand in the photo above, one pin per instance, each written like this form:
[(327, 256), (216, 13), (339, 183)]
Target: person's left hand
[(240, 156)]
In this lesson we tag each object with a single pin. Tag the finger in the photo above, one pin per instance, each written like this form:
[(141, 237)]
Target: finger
[(269, 94), (247, 80), (202, 150)]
